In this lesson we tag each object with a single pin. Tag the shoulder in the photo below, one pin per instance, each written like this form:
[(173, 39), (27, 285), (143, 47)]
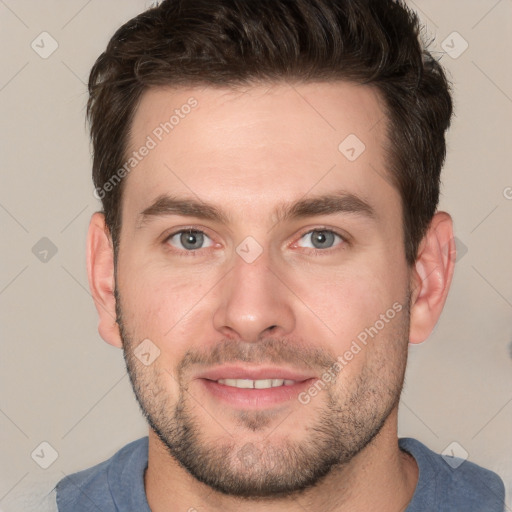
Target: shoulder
[(96, 487), (450, 483)]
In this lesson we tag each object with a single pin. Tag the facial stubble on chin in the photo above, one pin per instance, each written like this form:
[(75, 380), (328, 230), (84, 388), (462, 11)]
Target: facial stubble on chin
[(347, 419)]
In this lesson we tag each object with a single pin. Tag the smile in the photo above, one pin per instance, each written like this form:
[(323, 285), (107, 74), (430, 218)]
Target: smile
[(256, 384)]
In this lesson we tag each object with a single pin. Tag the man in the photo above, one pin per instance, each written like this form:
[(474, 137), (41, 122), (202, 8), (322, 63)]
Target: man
[(268, 247)]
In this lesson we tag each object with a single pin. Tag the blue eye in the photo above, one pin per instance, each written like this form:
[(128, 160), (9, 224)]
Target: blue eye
[(190, 240), (320, 239)]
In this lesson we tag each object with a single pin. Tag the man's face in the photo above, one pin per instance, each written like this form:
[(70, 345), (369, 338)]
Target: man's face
[(257, 252)]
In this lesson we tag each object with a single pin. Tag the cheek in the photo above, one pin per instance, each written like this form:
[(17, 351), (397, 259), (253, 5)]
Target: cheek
[(169, 308), (347, 301)]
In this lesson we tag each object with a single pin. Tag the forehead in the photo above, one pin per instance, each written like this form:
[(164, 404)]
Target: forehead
[(260, 144)]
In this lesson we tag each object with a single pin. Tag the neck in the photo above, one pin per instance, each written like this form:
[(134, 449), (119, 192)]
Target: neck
[(381, 477)]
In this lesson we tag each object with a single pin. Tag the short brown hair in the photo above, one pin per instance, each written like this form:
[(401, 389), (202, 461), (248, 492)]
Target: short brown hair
[(241, 42)]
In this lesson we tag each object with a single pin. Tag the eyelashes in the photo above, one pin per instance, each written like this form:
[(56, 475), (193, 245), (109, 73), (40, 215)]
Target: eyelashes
[(191, 240), (323, 237)]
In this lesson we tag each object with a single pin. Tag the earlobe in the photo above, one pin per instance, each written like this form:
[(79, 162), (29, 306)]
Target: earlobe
[(100, 270), (431, 277)]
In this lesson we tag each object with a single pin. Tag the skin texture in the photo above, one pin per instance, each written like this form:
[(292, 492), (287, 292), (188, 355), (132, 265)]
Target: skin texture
[(251, 152)]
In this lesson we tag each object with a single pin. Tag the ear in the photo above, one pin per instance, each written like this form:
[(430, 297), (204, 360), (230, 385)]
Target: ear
[(431, 277), (100, 270)]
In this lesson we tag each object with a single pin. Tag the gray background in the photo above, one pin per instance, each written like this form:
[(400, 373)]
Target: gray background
[(61, 384)]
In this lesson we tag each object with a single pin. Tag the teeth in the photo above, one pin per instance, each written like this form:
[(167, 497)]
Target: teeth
[(267, 383), (256, 384)]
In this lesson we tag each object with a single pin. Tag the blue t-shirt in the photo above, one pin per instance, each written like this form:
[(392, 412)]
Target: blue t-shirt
[(117, 485)]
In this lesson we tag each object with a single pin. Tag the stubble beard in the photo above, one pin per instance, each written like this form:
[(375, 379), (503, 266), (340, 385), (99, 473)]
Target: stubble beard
[(348, 418)]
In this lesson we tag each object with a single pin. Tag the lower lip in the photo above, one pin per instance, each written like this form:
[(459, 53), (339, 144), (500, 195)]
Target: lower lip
[(255, 398)]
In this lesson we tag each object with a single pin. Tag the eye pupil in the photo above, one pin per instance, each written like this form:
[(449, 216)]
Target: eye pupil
[(192, 239), (322, 239)]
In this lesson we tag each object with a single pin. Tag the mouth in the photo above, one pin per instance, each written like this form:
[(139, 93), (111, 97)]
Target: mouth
[(254, 388), (256, 384)]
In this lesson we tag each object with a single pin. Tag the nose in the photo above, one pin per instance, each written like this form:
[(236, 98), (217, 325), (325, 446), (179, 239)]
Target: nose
[(254, 302)]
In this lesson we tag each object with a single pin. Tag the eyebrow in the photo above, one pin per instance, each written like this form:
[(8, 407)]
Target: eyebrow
[(170, 205), (330, 204)]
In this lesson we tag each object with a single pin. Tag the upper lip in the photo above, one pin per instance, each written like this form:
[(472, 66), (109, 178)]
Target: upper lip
[(254, 373)]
